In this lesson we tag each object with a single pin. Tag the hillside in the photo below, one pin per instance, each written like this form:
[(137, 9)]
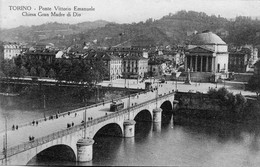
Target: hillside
[(48, 31), (173, 29)]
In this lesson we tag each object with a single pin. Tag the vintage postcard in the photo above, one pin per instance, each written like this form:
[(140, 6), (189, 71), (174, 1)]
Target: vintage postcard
[(130, 83)]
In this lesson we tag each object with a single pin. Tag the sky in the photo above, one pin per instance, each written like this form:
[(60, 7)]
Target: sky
[(119, 11)]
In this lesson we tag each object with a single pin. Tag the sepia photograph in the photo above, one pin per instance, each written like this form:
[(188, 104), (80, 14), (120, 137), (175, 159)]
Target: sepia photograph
[(130, 83)]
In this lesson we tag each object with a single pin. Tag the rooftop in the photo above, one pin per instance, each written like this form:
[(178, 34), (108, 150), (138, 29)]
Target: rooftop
[(207, 37)]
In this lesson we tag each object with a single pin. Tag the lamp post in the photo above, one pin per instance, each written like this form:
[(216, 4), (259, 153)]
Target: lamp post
[(44, 101), (156, 94), (5, 142), (128, 101), (85, 122), (176, 85)]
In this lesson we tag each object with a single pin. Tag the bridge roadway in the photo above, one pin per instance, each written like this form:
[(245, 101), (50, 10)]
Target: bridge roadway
[(44, 128)]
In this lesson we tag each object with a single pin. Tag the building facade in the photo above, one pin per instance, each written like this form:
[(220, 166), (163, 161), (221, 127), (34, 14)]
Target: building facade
[(242, 59), (238, 61), (207, 57), (134, 66), (44, 55), (11, 50), (113, 63)]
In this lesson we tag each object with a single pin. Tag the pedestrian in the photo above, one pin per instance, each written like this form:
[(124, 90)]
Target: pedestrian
[(16, 127), (106, 114), (13, 127), (33, 122), (30, 138), (57, 116), (36, 123), (68, 113), (72, 124), (75, 114)]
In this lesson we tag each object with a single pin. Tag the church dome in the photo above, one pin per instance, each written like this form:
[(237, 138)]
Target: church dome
[(206, 38)]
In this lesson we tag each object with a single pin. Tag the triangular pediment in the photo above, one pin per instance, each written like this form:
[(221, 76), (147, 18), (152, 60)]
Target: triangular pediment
[(200, 50)]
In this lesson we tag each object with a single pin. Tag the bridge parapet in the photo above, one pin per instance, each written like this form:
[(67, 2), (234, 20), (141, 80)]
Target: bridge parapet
[(42, 140), (75, 110)]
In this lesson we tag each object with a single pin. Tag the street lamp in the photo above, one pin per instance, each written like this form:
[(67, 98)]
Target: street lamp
[(5, 142), (85, 122), (128, 101), (156, 94)]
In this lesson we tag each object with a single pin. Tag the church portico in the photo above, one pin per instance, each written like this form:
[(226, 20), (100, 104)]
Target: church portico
[(206, 56)]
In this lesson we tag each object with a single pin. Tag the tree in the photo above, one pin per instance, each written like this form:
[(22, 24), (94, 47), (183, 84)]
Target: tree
[(2, 74), (254, 84), (6, 66), (33, 72), (51, 73), (42, 72), (23, 72)]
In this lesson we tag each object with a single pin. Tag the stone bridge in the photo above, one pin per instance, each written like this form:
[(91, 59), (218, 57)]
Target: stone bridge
[(79, 138)]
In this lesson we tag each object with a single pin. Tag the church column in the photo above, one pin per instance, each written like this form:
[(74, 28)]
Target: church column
[(196, 63), (201, 61), (213, 64), (207, 64)]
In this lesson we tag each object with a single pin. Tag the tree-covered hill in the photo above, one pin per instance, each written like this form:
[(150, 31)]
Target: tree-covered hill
[(48, 31), (173, 29)]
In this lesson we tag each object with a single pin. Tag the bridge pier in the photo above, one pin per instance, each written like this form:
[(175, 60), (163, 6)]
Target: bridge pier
[(157, 126), (157, 115), (175, 104), (85, 149), (129, 128)]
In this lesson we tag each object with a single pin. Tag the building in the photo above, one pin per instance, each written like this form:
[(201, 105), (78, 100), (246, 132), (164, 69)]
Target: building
[(124, 51), (242, 59), (158, 67), (238, 60), (257, 68), (11, 50), (206, 57), (134, 66), (112, 62), (44, 55)]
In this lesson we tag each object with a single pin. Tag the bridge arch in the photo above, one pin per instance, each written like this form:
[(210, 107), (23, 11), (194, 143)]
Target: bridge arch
[(110, 129), (59, 152), (166, 106), (167, 111), (143, 115)]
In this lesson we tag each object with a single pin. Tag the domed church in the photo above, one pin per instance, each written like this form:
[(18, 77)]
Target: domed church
[(206, 57)]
